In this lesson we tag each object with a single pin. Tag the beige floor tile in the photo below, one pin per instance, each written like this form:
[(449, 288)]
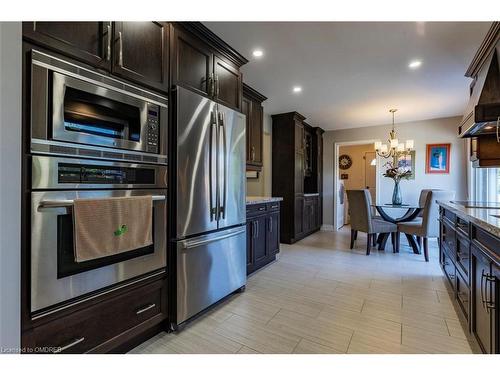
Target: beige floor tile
[(362, 343), (257, 337), (246, 350), (431, 343), (323, 332), (420, 320), (309, 347), (253, 308), (455, 329), (390, 330)]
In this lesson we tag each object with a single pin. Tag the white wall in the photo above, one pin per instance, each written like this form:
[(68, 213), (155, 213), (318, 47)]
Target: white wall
[(10, 186), (262, 186), (443, 130)]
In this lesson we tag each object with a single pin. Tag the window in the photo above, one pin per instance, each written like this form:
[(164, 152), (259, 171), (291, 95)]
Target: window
[(486, 184)]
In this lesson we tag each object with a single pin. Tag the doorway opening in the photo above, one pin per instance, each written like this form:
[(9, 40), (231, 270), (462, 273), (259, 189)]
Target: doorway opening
[(355, 167)]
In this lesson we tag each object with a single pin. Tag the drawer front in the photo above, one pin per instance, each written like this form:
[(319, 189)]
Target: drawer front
[(256, 209), (449, 238), (273, 206), (463, 255), (88, 328), (463, 294), (485, 240), (449, 215), (448, 268), (462, 227)]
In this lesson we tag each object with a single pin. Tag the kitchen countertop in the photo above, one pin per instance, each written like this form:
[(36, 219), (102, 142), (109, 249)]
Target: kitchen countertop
[(257, 199), (482, 217)]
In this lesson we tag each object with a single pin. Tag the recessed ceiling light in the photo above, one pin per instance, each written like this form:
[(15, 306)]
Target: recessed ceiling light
[(297, 89), (414, 64), (258, 53)]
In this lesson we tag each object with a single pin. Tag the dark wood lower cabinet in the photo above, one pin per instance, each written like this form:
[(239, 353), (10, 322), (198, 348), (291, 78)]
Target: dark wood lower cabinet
[(263, 234), (108, 326), (470, 259)]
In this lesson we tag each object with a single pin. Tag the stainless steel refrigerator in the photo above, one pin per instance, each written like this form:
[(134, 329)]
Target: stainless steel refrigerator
[(210, 231)]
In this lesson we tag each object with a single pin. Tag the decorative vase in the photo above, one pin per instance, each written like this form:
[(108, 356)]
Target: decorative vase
[(396, 194)]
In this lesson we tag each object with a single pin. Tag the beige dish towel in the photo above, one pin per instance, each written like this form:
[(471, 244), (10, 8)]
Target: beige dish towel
[(109, 226)]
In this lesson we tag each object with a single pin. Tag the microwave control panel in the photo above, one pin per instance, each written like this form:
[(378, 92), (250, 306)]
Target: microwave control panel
[(153, 128)]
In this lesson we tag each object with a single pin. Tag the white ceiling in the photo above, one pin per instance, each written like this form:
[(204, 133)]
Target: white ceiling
[(352, 73)]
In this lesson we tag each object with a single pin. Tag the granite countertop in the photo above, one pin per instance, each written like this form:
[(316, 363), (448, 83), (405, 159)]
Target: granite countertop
[(257, 199), (482, 217)]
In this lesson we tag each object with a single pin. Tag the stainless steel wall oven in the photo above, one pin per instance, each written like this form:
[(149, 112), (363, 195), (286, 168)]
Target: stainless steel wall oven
[(56, 278), (76, 111)]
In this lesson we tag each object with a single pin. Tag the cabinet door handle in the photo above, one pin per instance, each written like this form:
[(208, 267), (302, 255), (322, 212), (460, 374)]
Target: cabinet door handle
[(147, 308), (108, 47), (482, 290), (490, 303), (211, 85), (120, 44), (217, 87), (270, 224), (253, 153), (70, 345)]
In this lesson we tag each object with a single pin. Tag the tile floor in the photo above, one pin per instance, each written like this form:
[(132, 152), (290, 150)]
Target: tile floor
[(321, 297)]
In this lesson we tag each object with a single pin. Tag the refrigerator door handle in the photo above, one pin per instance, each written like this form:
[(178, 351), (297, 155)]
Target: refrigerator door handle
[(213, 167), (196, 243), (222, 208)]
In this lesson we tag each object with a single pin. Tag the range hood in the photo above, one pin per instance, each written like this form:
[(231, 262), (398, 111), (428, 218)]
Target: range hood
[(482, 116)]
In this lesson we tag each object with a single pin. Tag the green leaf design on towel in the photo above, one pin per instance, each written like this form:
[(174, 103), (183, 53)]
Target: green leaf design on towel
[(120, 231)]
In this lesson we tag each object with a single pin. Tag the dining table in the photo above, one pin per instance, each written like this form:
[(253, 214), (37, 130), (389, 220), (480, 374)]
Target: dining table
[(387, 211)]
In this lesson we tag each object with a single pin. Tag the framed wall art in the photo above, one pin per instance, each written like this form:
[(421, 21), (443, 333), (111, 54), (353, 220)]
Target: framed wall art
[(437, 159)]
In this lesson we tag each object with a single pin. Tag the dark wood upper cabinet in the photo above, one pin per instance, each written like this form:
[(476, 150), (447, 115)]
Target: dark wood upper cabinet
[(202, 62), (192, 63), (227, 83), (89, 42), (141, 52), (252, 108)]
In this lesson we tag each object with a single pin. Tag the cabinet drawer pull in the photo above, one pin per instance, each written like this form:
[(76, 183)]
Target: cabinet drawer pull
[(70, 345), (262, 208), (143, 310)]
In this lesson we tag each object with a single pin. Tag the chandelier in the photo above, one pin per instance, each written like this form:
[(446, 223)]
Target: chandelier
[(393, 148)]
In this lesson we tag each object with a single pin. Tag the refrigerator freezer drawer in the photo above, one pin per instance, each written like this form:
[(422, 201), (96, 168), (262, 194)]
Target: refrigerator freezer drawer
[(209, 267)]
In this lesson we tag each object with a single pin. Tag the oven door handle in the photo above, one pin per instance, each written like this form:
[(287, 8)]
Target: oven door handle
[(69, 202)]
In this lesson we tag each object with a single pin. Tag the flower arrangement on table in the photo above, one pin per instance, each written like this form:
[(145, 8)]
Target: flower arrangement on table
[(397, 174)]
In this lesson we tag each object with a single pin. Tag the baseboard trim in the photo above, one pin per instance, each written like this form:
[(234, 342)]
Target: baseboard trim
[(327, 228)]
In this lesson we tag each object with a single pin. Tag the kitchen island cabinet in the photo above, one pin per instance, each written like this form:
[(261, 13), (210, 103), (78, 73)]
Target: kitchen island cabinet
[(469, 254)]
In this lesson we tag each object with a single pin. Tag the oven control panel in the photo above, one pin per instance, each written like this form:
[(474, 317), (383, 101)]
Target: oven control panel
[(153, 130)]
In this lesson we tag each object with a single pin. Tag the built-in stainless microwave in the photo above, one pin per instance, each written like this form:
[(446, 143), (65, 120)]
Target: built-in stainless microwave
[(76, 111)]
